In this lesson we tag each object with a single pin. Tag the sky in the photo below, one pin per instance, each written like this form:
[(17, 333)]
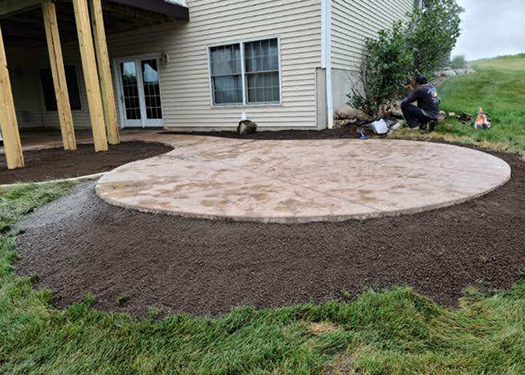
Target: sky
[(491, 28)]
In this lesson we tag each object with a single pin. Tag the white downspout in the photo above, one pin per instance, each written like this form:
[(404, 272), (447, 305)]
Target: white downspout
[(326, 57)]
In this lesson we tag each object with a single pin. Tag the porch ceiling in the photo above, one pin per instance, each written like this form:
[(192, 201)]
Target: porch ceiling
[(24, 27)]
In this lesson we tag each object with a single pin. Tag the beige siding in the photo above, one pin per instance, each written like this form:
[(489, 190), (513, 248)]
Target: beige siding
[(185, 82), (355, 20)]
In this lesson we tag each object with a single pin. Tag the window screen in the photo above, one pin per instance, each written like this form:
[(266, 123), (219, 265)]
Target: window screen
[(256, 81), (226, 74), (262, 71), (48, 88)]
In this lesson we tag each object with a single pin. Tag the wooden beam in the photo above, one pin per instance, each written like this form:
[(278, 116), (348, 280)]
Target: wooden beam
[(89, 66), (8, 121), (104, 70), (16, 6), (59, 75)]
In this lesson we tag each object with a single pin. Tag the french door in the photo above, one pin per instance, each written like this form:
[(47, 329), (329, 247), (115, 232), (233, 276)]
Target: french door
[(139, 92)]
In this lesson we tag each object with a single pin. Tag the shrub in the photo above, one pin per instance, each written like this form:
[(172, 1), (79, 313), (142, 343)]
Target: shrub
[(384, 69), (458, 62), (432, 33), (420, 45)]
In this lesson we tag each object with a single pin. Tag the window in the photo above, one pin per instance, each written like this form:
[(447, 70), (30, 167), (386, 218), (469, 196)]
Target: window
[(255, 80), (226, 74), (48, 88)]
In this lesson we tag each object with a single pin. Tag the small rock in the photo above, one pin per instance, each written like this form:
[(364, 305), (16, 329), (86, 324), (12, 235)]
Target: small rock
[(246, 127), (396, 109), (396, 126), (346, 112), (448, 73), (342, 123)]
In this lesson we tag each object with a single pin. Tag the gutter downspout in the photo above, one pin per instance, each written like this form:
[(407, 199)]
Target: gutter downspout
[(326, 57)]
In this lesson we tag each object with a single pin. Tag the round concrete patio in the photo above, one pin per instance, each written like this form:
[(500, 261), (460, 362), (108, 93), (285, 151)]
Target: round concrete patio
[(298, 181)]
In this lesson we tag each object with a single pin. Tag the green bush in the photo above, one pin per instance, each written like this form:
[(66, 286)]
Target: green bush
[(384, 69), (420, 45), (458, 62), (432, 33)]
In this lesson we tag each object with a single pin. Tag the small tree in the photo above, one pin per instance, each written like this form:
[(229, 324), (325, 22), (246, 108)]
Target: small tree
[(420, 45), (384, 70), (458, 62), (431, 33)]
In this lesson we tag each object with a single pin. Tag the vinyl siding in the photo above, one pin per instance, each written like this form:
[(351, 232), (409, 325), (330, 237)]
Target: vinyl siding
[(185, 81), (355, 20)]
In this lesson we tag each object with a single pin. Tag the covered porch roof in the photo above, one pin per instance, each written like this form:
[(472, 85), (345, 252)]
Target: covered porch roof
[(23, 26)]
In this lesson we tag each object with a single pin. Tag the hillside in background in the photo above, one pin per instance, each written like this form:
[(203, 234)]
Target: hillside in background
[(498, 86)]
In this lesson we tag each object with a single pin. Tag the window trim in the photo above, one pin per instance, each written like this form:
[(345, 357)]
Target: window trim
[(79, 84), (245, 103)]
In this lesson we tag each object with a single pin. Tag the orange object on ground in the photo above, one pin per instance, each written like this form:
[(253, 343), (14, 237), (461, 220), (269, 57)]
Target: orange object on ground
[(481, 121)]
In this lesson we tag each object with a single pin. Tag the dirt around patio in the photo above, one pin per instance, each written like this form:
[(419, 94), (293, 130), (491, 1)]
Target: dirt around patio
[(79, 244), (56, 163)]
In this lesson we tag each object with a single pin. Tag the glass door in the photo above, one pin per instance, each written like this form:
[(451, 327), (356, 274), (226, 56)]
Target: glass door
[(139, 92)]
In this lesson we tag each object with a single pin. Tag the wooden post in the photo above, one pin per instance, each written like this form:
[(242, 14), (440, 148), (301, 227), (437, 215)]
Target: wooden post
[(89, 66), (59, 75), (104, 70), (8, 121)]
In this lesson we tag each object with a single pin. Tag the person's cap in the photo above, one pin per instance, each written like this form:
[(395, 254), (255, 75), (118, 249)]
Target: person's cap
[(421, 80)]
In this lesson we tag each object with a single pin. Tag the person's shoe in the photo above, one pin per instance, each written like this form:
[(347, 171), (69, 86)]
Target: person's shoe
[(431, 126), (423, 127)]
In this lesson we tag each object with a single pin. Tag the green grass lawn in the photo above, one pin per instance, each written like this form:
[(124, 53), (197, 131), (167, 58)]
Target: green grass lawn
[(498, 85), (387, 332)]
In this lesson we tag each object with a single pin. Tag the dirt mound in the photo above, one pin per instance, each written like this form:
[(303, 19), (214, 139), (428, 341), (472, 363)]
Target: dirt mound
[(79, 244)]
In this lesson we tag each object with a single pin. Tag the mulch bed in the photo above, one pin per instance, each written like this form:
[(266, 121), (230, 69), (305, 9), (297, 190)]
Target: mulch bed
[(56, 163), (80, 244), (347, 132)]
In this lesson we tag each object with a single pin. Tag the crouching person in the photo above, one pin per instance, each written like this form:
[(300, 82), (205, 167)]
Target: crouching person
[(428, 103)]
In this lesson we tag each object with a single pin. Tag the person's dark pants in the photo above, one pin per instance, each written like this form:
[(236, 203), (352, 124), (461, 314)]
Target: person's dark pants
[(414, 116)]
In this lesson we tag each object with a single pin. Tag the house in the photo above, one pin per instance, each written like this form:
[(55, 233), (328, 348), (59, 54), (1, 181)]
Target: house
[(184, 65)]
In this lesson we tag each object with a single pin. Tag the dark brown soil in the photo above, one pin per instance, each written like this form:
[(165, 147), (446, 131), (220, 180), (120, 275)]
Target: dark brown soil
[(56, 163), (347, 132), (80, 244)]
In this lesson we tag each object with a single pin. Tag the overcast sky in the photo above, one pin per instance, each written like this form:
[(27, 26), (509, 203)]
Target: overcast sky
[(491, 28)]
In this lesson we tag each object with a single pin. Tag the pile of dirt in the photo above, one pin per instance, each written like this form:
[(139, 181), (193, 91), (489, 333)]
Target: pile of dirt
[(56, 163), (79, 244)]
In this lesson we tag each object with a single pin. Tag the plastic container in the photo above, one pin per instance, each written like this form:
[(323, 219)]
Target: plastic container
[(379, 127)]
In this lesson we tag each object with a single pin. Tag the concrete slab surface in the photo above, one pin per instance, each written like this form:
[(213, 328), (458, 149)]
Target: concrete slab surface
[(298, 181)]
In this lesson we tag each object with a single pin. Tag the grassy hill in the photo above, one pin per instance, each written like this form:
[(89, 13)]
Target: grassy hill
[(498, 86)]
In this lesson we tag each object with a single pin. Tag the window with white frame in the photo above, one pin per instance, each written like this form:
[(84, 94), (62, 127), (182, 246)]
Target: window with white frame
[(246, 73)]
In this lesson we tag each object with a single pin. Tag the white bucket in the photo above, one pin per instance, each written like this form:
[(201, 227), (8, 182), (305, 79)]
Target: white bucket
[(379, 127)]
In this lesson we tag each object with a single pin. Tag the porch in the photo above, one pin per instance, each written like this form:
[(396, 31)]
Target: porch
[(81, 27)]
